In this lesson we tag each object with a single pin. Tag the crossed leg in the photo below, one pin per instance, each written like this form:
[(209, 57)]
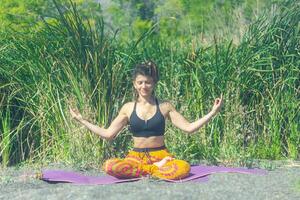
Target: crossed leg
[(160, 165), (122, 168)]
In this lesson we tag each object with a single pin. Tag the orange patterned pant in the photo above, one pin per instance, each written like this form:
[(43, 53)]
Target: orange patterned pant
[(137, 164)]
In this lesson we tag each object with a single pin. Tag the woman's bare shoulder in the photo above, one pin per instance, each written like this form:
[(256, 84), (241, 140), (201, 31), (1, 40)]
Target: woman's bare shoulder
[(127, 107), (165, 104)]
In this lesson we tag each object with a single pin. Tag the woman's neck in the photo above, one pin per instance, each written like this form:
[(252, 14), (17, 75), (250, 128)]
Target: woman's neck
[(146, 100)]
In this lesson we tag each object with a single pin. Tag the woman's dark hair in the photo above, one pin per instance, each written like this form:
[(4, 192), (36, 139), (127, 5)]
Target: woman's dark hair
[(148, 68)]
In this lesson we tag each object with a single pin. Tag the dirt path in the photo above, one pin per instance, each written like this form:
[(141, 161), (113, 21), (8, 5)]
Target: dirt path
[(281, 183)]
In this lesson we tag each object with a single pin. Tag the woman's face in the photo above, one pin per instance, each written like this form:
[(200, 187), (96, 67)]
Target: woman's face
[(144, 85)]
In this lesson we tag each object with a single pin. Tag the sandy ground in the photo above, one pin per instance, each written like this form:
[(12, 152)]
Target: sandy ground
[(279, 183)]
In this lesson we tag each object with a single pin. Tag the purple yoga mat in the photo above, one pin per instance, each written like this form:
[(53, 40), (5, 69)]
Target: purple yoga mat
[(60, 176), (198, 173)]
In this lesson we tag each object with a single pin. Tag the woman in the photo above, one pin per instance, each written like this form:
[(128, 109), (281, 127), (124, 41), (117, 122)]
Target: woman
[(146, 119)]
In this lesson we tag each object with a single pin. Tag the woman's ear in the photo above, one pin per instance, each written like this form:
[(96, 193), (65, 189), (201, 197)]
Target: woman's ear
[(133, 83)]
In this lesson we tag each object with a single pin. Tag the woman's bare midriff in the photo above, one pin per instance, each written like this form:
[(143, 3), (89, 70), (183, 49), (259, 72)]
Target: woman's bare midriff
[(148, 142)]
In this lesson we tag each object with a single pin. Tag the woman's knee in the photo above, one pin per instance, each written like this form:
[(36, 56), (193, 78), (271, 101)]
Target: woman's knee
[(183, 166), (174, 169), (121, 168), (110, 163)]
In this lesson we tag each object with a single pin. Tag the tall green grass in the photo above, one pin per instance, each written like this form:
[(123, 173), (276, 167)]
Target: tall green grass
[(77, 62)]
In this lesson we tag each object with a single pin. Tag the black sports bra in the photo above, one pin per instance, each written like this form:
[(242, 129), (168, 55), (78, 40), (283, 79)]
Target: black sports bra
[(154, 126)]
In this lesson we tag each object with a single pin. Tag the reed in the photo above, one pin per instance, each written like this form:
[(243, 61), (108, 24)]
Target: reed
[(75, 61)]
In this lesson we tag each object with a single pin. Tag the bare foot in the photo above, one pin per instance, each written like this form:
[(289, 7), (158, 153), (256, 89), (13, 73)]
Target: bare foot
[(161, 163)]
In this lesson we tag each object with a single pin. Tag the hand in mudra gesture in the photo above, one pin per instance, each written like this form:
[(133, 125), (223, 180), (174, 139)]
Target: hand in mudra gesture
[(75, 114), (217, 105)]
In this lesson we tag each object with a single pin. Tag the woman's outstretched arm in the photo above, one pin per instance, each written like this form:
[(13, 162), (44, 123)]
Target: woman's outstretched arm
[(106, 133), (179, 121)]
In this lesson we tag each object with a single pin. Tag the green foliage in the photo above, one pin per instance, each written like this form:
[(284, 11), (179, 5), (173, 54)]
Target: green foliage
[(23, 15), (185, 19), (72, 59)]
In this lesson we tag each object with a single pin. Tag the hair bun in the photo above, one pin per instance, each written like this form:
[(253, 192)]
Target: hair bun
[(147, 68)]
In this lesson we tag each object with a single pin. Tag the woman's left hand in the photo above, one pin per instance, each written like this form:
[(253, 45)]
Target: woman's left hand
[(217, 105), (161, 163)]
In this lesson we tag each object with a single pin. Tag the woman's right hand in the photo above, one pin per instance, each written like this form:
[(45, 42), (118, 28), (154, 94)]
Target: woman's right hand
[(75, 114)]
